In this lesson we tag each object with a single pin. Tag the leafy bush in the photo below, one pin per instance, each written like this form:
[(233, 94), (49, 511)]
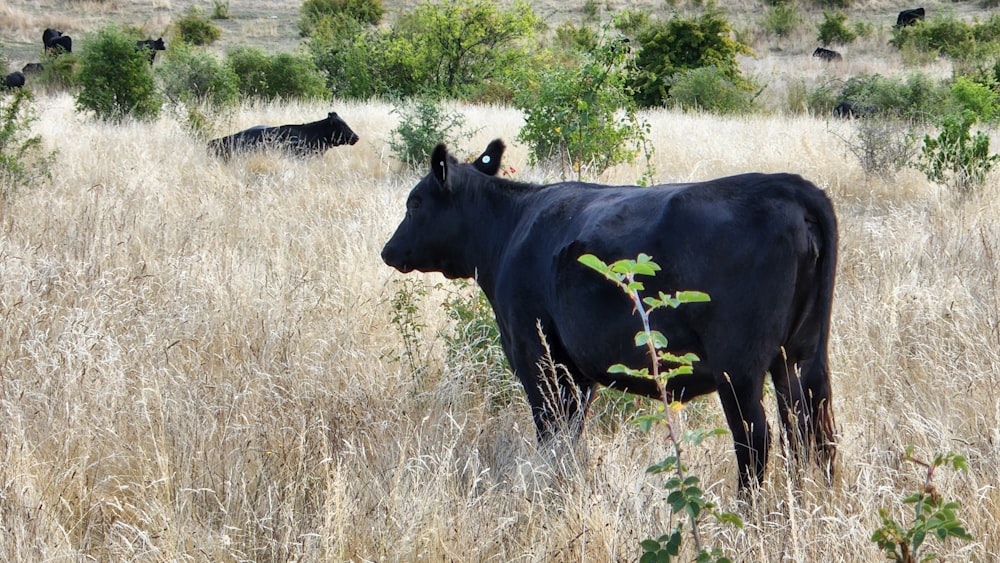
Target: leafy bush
[(282, 75), (348, 52), (220, 9), (956, 157), (194, 29), (948, 35), (834, 29), (582, 117), (708, 89), (191, 76), (22, 160), (882, 146), (678, 45), (782, 19), (978, 98), (917, 97), (116, 80), (423, 124), (313, 12)]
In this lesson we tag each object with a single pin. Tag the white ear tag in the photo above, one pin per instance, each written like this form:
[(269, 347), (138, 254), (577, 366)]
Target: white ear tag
[(486, 159)]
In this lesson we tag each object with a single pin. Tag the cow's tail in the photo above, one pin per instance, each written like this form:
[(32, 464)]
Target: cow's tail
[(816, 379)]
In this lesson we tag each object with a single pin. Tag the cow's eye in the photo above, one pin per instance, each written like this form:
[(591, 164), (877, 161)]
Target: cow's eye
[(413, 203)]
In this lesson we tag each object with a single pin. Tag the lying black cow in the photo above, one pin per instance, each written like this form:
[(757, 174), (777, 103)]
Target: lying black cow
[(55, 42), (827, 55), (909, 17), (14, 80), (152, 46), (763, 246), (299, 139), (852, 110)]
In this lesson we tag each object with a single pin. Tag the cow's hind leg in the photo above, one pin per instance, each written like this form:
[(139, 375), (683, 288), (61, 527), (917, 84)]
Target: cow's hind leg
[(741, 403), (792, 408), (822, 427)]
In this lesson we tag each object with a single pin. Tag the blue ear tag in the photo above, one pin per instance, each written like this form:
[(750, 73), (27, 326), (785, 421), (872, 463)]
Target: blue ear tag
[(486, 159)]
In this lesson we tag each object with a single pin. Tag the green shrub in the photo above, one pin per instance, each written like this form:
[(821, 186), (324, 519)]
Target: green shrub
[(313, 12), (62, 73), (956, 157), (582, 117), (917, 97), (944, 34), (423, 124), (22, 159), (834, 29), (191, 76), (347, 52), (978, 98), (116, 80), (220, 9), (782, 19), (194, 29), (707, 89), (678, 45), (282, 75)]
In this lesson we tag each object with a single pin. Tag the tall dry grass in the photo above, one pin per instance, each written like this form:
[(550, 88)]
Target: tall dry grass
[(197, 362)]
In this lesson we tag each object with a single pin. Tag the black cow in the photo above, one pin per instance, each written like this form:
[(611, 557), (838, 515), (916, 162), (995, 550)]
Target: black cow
[(763, 246), (909, 17), (298, 139), (827, 54), (32, 68), (851, 110), (14, 80), (152, 45), (53, 40)]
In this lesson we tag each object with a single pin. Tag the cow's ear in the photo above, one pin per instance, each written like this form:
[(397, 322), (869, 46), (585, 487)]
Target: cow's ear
[(439, 165), (489, 162)]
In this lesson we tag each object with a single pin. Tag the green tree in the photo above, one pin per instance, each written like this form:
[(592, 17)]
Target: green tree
[(313, 12), (116, 80), (282, 75), (834, 29), (680, 44), (191, 76), (22, 160)]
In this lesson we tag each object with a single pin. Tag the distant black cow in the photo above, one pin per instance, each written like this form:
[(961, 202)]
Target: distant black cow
[(32, 68), (827, 54), (299, 139), (763, 246), (14, 80), (850, 110), (909, 17), (53, 40), (152, 45)]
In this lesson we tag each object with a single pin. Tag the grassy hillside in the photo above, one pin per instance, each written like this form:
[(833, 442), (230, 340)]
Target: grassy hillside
[(200, 360)]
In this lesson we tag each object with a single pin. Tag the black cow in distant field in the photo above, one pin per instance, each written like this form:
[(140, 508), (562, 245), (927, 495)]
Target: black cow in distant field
[(53, 40), (32, 68), (909, 17), (827, 54), (14, 80), (152, 45), (763, 246), (301, 139), (850, 110)]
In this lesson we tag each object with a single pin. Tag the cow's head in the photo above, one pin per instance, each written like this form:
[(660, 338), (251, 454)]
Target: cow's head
[(435, 230), (340, 133)]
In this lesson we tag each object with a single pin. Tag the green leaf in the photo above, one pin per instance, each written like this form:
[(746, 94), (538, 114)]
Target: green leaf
[(594, 263)]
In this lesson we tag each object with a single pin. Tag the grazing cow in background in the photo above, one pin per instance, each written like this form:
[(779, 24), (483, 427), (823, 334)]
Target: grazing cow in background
[(152, 45), (302, 139), (909, 17), (14, 80), (763, 246), (827, 54), (850, 110), (53, 40), (32, 68)]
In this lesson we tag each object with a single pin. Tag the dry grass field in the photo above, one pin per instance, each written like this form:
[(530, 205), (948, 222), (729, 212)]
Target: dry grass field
[(198, 360)]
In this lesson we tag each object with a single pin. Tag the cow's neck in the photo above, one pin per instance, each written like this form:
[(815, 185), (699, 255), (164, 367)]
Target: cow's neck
[(494, 213)]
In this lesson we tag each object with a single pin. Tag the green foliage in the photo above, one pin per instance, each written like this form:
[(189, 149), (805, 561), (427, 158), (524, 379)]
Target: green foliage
[(686, 497), (781, 19), (423, 124), (915, 97), (405, 304), (458, 45), (708, 89), (582, 116), (882, 146), (116, 79), (951, 36), (22, 159), (61, 73), (672, 47), (956, 157), (933, 516), (979, 98), (349, 53), (313, 12), (834, 29), (191, 77), (194, 29), (220, 9), (282, 75)]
